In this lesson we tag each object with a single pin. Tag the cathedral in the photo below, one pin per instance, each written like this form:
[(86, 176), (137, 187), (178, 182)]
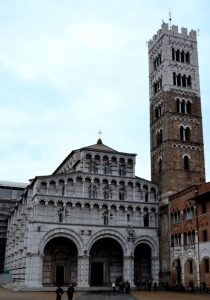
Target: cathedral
[(93, 222)]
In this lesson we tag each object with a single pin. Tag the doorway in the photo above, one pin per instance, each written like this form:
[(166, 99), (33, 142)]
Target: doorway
[(59, 275), (97, 269)]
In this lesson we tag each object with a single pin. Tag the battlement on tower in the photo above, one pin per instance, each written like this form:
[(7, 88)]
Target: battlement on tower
[(173, 31)]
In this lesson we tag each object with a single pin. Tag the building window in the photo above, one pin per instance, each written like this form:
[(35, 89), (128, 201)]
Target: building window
[(160, 165), (128, 218), (106, 220), (186, 163), (205, 235), (121, 195), (190, 262), (146, 220), (203, 207), (206, 265), (184, 134)]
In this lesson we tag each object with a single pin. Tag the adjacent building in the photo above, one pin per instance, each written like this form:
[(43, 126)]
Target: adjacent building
[(190, 236), (10, 193)]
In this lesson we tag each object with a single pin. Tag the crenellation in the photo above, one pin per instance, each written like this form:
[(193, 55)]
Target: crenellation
[(173, 32)]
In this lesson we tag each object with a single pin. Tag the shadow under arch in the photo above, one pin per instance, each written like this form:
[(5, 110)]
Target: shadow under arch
[(107, 233)]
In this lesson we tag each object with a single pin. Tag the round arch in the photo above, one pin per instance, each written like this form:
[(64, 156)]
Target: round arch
[(61, 232), (107, 233)]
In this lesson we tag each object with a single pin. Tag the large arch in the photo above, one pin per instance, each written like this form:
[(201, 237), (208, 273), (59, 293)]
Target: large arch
[(106, 262), (146, 261), (59, 262), (61, 232), (107, 233), (106, 250)]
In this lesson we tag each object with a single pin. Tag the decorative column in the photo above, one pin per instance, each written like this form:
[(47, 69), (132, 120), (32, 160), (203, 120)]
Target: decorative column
[(128, 269), (83, 271), (197, 257)]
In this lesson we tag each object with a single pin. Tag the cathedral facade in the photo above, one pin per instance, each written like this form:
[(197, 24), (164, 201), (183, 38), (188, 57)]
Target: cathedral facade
[(92, 222)]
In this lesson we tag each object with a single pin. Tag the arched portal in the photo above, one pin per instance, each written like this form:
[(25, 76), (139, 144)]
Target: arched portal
[(176, 273), (59, 262), (106, 262), (142, 264)]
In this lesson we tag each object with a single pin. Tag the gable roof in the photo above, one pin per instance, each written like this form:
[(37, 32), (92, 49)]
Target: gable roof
[(99, 146)]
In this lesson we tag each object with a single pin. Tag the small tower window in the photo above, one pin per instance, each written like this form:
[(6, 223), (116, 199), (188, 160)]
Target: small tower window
[(160, 165), (187, 134), (182, 56), (188, 107), (188, 58), (173, 54), (177, 55), (189, 82), (186, 163)]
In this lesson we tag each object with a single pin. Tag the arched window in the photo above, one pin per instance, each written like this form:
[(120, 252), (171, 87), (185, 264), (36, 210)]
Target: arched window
[(189, 83), (160, 165), (187, 134), (186, 163), (174, 78), (181, 133), (146, 220), (188, 107), (184, 80), (179, 80), (183, 106), (177, 105), (177, 55), (182, 56), (187, 58), (173, 54)]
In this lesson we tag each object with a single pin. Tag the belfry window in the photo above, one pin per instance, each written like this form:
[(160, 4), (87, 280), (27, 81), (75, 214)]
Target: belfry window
[(159, 137), (183, 106), (180, 56), (182, 80)]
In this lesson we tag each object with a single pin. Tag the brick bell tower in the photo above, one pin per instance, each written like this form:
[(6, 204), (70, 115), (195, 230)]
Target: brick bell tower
[(177, 151)]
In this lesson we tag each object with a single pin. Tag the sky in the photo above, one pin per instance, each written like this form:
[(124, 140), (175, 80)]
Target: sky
[(69, 68)]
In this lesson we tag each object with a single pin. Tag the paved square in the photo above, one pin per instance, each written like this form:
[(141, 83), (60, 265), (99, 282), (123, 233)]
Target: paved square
[(139, 295)]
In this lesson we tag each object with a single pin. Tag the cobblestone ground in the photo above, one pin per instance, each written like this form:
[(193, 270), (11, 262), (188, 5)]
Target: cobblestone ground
[(9, 295)]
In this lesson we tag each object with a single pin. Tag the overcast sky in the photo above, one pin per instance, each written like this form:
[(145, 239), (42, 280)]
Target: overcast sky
[(69, 68)]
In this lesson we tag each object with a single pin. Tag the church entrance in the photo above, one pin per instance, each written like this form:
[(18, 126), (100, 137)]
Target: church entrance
[(59, 275), (97, 270), (106, 262), (142, 264), (59, 262)]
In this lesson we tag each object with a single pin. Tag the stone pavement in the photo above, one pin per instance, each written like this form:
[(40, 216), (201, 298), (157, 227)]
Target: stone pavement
[(105, 295), (138, 295)]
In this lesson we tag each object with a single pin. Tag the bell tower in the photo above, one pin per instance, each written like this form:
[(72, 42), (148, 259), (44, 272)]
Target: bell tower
[(177, 152)]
